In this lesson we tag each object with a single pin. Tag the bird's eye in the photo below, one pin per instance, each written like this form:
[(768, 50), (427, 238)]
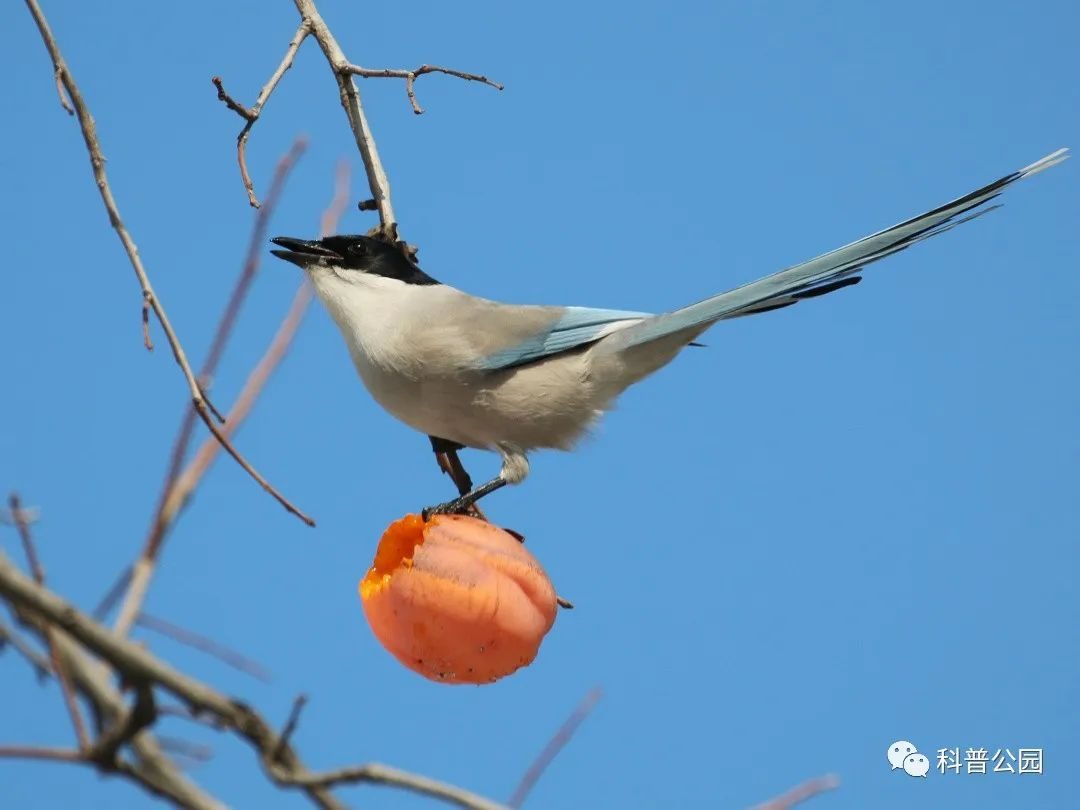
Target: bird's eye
[(357, 249)]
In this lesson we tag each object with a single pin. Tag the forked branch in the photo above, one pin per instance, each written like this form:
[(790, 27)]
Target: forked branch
[(410, 77), (312, 24), (251, 114), (136, 665), (22, 525)]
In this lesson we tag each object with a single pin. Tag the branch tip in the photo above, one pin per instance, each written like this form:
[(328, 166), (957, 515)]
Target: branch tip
[(556, 744), (251, 114), (410, 77), (290, 726)]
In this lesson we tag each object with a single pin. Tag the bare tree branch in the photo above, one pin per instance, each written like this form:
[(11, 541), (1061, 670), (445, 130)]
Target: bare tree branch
[(554, 746), (32, 752), (800, 793), (149, 767), (174, 491), (23, 527), (377, 774), (203, 644), (328, 222), (252, 260), (251, 114), (410, 77), (199, 400), (139, 666), (312, 23), (354, 111)]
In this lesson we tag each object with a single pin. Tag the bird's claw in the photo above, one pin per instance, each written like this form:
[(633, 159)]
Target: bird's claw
[(458, 506)]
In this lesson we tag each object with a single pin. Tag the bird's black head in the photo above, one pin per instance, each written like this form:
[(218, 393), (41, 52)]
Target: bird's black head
[(364, 254)]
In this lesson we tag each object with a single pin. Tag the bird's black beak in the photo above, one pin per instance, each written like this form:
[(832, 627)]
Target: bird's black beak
[(302, 252)]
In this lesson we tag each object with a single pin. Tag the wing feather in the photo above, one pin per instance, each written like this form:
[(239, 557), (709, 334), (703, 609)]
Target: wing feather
[(577, 326)]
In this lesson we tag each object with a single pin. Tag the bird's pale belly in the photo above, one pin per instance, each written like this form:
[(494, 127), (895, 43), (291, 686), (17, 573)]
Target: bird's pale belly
[(506, 408)]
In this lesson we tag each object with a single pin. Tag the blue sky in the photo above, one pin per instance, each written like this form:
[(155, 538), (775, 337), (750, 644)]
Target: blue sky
[(847, 523)]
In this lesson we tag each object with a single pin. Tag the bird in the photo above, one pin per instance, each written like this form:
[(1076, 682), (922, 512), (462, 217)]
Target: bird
[(476, 373)]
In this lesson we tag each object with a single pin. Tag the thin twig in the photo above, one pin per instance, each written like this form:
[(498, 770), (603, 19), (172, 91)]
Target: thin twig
[(35, 752), (410, 77), (112, 596), (38, 573), (168, 507), (42, 666), (554, 746), (199, 399), (137, 665), (203, 644), (800, 793), (31, 514), (62, 93), (231, 103), (180, 487), (290, 726), (331, 216), (22, 526), (251, 114), (224, 330), (197, 752), (148, 767), (312, 23)]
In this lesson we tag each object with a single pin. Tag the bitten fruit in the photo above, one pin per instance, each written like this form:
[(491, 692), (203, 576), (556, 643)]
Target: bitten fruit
[(457, 599)]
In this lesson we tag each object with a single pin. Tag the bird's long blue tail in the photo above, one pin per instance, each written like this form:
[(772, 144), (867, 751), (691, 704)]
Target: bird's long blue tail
[(831, 271)]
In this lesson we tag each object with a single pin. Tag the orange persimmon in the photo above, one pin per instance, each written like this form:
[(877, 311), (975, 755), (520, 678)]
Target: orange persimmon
[(457, 599)]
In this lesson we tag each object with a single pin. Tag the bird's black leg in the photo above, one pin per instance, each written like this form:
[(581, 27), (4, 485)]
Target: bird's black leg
[(466, 503), (447, 458)]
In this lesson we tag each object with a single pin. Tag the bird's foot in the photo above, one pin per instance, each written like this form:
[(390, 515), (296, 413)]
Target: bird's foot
[(464, 504), (458, 506)]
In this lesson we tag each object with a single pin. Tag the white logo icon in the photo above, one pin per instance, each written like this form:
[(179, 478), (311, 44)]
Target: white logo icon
[(916, 764), (898, 752)]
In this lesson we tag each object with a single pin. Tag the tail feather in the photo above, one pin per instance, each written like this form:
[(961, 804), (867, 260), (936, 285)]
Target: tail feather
[(830, 271)]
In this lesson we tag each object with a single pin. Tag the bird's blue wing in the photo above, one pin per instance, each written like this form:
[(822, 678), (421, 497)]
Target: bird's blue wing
[(833, 270), (577, 326)]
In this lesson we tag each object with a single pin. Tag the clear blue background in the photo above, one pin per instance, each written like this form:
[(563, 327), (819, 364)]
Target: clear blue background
[(839, 525)]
